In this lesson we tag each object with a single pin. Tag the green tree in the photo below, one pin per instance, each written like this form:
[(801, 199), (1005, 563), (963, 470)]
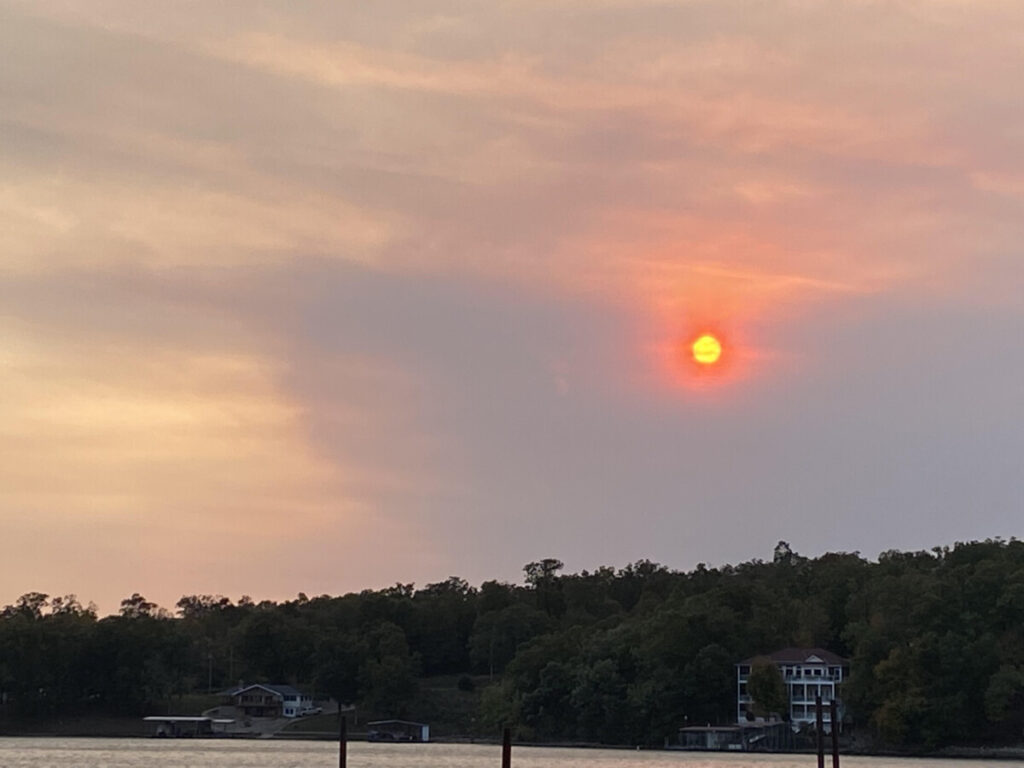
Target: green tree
[(497, 635), (339, 660), (388, 674), (767, 689), (542, 577)]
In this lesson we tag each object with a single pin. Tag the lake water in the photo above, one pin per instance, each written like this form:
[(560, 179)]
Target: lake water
[(154, 753)]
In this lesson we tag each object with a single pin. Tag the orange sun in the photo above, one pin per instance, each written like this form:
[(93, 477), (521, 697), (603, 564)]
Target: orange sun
[(707, 349)]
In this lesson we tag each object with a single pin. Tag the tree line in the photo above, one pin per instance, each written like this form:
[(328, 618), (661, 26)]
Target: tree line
[(622, 656)]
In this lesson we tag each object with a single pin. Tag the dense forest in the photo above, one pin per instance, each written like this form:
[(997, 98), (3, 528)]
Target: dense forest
[(935, 641)]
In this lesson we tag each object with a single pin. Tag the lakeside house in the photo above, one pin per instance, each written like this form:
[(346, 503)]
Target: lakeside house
[(266, 700), (807, 673)]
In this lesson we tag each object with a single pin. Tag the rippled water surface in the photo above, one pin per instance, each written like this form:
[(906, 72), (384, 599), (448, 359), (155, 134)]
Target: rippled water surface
[(152, 753)]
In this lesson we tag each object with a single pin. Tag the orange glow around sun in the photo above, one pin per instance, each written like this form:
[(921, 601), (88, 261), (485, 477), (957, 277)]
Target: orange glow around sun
[(707, 349), (710, 357), (705, 346)]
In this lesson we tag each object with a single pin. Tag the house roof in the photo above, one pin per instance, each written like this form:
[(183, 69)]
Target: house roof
[(280, 690), (285, 690), (801, 656)]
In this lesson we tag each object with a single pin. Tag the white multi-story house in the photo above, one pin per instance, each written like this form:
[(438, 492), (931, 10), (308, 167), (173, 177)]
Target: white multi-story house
[(808, 673)]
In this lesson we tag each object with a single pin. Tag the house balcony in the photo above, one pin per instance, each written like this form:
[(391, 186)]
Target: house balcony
[(257, 701), (837, 678)]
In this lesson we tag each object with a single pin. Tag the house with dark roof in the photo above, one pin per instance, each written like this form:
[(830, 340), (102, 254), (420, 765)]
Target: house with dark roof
[(807, 673), (265, 700)]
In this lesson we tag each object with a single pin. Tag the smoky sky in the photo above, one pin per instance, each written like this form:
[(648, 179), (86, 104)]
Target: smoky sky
[(398, 291)]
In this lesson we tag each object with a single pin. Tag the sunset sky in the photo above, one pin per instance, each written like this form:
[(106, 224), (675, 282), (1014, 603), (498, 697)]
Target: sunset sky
[(325, 296)]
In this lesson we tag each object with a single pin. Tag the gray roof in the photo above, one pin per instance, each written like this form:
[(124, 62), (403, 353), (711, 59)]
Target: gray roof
[(285, 690), (396, 722)]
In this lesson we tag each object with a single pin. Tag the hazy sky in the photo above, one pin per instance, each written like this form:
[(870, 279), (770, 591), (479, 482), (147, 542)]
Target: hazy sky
[(323, 296)]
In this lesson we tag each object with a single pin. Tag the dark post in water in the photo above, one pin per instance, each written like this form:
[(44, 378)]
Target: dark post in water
[(342, 740), (506, 749), (834, 718), (819, 721)]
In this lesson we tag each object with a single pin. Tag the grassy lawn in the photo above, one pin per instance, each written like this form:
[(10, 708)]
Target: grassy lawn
[(315, 724), (450, 712), (189, 704)]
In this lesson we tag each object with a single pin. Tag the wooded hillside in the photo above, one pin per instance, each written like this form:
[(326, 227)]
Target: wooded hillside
[(935, 639)]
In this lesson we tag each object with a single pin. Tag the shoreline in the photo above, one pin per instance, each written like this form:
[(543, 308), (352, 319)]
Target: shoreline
[(992, 753)]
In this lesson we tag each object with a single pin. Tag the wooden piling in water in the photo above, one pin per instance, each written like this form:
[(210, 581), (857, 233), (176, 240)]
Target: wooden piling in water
[(820, 723), (342, 740), (506, 748), (834, 717)]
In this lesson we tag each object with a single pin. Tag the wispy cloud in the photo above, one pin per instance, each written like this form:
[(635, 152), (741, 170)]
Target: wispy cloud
[(269, 271)]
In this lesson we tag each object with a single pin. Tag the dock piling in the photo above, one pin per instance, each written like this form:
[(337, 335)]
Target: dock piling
[(834, 720), (506, 748), (342, 740), (820, 723)]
